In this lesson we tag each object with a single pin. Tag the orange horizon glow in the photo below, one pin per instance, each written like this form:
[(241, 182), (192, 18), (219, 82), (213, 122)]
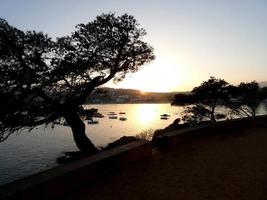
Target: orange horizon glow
[(164, 74), (192, 40)]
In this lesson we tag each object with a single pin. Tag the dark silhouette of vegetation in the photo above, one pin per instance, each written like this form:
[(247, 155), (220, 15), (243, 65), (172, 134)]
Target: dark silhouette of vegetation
[(42, 80), (246, 98), (202, 101), (241, 100)]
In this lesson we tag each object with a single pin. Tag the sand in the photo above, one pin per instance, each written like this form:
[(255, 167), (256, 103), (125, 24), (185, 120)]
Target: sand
[(222, 166)]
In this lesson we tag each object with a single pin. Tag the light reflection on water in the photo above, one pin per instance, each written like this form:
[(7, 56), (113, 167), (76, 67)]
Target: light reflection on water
[(27, 153), (30, 152), (139, 117)]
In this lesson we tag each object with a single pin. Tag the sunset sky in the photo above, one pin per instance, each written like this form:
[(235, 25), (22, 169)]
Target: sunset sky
[(193, 39)]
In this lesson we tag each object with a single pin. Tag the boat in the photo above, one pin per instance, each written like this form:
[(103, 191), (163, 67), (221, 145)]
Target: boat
[(113, 117), (92, 122), (112, 113), (165, 115), (123, 118), (89, 113), (164, 118), (88, 118), (122, 113), (98, 115)]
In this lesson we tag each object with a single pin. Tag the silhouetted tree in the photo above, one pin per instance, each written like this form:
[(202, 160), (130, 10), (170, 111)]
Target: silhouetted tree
[(246, 98), (42, 80), (202, 101)]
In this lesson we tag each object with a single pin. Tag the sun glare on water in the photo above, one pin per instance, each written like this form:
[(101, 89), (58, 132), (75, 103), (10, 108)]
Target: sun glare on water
[(146, 113)]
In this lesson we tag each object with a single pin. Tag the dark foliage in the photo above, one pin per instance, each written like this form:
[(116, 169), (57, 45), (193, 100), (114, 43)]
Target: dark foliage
[(246, 98), (203, 100), (42, 80), (242, 100), (184, 99)]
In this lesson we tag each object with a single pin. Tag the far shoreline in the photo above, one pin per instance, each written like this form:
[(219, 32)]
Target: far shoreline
[(103, 103)]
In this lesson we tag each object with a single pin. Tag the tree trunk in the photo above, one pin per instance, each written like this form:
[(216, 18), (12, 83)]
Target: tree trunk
[(213, 118), (78, 131)]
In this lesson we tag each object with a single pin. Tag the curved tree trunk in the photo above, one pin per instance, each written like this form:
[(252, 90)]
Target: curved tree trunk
[(78, 131), (213, 118), (212, 112)]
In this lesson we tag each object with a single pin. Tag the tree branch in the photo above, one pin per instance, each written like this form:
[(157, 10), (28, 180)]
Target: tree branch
[(49, 119), (44, 96), (33, 124)]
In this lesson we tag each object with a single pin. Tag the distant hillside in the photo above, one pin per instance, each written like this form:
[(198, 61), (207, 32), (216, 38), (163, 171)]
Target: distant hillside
[(263, 84), (112, 95)]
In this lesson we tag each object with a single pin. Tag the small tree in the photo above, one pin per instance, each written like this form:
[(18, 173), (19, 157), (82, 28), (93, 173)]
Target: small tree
[(42, 80), (246, 98), (202, 101)]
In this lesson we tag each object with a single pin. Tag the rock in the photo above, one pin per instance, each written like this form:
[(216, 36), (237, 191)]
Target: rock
[(76, 155), (123, 140)]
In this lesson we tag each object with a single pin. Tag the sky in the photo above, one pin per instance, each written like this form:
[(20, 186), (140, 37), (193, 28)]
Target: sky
[(192, 39)]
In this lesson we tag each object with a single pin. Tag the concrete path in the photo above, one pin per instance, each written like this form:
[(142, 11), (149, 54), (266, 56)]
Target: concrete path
[(232, 166)]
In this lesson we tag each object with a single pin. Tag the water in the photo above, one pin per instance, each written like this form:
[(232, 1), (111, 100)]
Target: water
[(26, 153), (140, 117)]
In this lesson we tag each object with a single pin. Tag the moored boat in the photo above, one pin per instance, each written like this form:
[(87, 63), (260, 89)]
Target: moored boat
[(98, 115), (92, 122), (164, 118), (111, 113), (113, 117), (165, 115), (123, 118)]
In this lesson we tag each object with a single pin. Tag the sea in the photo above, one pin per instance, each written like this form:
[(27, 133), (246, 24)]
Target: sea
[(27, 152)]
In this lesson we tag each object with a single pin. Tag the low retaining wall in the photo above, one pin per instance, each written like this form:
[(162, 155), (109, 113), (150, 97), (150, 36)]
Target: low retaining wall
[(53, 183), (176, 137)]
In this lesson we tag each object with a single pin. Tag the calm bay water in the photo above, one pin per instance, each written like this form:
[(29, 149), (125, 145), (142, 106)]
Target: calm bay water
[(26, 153)]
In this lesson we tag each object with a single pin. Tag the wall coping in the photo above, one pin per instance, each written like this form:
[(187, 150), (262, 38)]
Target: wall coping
[(219, 123), (168, 138)]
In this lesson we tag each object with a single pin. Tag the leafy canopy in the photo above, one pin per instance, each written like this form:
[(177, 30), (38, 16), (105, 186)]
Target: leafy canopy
[(41, 79), (203, 100), (246, 98)]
